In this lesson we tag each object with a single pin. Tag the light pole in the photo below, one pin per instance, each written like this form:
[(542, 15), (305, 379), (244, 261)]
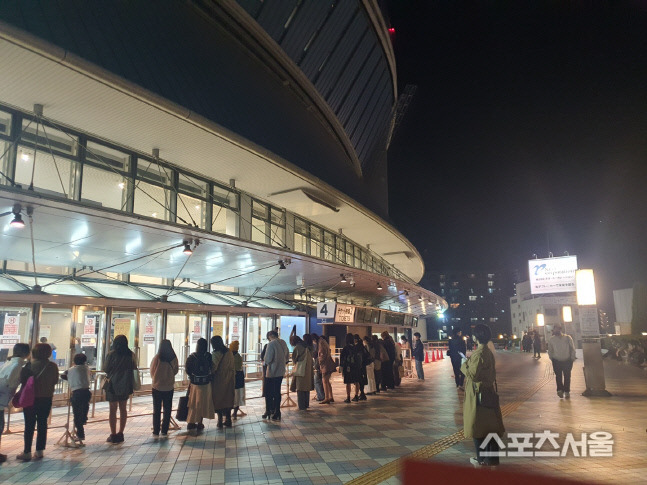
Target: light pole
[(591, 348)]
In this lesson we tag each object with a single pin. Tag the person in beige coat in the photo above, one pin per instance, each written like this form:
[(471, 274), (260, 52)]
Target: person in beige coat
[(481, 419), (164, 368), (224, 380), (302, 384)]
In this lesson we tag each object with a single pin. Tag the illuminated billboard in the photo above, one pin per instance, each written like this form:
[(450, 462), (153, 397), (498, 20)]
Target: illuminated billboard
[(552, 275)]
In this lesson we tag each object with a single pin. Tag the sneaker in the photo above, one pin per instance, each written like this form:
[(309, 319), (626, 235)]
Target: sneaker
[(355, 399), (362, 397), (164, 436), (156, 436), (111, 438), (119, 438), (560, 394), (567, 395), (347, 400), (39, 454), (24, 456), (475, 461)]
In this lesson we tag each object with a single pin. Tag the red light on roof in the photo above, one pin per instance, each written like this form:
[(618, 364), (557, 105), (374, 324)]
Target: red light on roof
[(391, 30)]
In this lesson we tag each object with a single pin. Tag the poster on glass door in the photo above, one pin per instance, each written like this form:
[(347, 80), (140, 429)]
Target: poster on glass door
[(149, 331), (10, 335), (89, 337), (196, 334)]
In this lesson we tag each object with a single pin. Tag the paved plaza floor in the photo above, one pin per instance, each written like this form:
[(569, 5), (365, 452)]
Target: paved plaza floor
[(362, 442)]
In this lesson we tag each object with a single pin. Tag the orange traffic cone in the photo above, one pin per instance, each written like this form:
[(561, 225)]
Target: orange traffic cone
[(442, 355), (433, 356), (438, 352), (427, 357)]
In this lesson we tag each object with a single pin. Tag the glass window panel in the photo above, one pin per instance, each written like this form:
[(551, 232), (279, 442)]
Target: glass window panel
[(191, 210), (5, 123), (192, 186), (278, 236), (253, 347), (53, 174), (277, 217), (208, 298), (315, 248), (4, 161), (89, 335), (152, 201), (176, 333), (300, 226), (260, 210), (300, 243), (7, 284), (118, 291), (123, 323), (103, 188), (177, 298), (259, 230), (48, 138), (14, 328), (225, 197), (236, 324), (153, 172), (107, 157), (225, 221), (56, 330), (273, 303), (150, 337)]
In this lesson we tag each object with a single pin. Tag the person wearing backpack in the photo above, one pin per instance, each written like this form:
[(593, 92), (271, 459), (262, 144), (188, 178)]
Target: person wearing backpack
[(199, 369), (45, 376), (351, 365), (164, 368), (120, 384), (9, 381)]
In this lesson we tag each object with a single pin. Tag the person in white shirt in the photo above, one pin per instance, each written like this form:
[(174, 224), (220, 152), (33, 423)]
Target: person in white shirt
[(9, 381), (561, 351), (276, 355), (78, 379)]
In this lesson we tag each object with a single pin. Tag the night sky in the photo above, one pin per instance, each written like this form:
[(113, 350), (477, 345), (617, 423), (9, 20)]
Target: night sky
[(528, 134)]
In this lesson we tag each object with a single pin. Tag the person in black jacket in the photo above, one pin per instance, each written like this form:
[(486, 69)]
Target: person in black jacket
[(456, 348), (351, 365), (365, 358), (418, 353), (388, 381)]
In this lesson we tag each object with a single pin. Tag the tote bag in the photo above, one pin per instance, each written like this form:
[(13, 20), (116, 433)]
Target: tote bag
[(27, 395), (182, 412), (137, 383), (299, 369)]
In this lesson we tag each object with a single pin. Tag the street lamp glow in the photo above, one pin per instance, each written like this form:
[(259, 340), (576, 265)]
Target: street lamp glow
[(567, 314), (585, 287), (540, 319)]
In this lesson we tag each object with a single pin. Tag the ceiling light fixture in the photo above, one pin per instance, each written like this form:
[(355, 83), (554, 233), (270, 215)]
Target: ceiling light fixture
[(379, 286), (17, 221), (187, 248), (343, 278)]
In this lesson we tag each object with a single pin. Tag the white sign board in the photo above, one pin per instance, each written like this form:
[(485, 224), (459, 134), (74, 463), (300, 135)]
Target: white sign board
[(149, 331), (552, 275), (589, 321), (345, 313), (10, 335), (326, 309)]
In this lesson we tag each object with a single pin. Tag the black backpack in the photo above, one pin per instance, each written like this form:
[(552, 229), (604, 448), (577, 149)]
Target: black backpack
[(202, 373)]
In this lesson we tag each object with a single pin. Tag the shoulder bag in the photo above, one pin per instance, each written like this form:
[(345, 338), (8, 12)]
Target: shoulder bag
[(182, 412), (26, 397), (299, 368)]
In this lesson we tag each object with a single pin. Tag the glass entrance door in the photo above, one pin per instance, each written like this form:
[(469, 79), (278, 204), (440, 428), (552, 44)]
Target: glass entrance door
[(88, 333), (56, 330), (14, 328), (176, 332), (150, 333)]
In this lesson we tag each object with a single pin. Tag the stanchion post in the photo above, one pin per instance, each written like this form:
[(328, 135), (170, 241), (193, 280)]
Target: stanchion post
[(67, 435)]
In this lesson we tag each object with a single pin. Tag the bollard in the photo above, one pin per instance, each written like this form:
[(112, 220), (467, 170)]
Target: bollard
[(433, 356), (426, 357)]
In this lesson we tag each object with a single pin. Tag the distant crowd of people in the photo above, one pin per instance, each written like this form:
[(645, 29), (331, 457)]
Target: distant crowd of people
[(369, 365)]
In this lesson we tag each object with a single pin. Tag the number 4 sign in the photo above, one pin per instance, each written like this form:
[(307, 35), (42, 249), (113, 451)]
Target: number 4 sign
[(326, 310)]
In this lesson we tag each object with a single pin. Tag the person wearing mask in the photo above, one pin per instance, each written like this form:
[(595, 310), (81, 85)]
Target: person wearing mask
[(302, 384), (351, 365), (9, 381), (327, 366), (275, 359), (370, 367), (239, 379), (199, 367), (119, 366), (78, 378), (456, 352), (418, 354), (45, 373), (480, 419), (380, 355), (321, 395), (164, 368), (561, 351), (364, 357), (536, 346), (224, 381), (387, 365)]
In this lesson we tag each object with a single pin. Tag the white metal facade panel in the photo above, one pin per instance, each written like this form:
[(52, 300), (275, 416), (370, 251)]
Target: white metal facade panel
[(308, 20)]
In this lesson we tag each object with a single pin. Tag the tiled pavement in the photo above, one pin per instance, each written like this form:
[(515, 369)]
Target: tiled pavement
[(340, 442)]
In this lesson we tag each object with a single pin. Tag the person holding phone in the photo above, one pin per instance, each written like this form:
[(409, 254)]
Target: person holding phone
[(457, 351)]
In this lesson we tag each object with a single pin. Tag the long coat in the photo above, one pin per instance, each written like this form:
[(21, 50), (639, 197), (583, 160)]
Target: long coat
[(480, 375), (224, 379), (306, 382)]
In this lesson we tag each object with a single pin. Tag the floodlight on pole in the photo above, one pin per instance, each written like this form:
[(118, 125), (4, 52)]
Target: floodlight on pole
[(540, 320), (567, 314), (585, 287)]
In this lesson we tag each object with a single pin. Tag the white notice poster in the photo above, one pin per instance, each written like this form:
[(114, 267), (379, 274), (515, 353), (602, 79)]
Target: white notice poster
[(10, 335)]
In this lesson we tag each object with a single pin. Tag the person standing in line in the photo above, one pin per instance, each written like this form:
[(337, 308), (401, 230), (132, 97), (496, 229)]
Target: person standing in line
[(223, 386), (418, 354), (561, 351), (45, 373), (164, 368), (10, 380), (457, 351), (119, 367), (536, 344), (199, 367), (398, 364), (327, 366), (275, 358), (380, 356), (370, 367), (302, 385), (351, 367), (78, 378), (480, 420), (239, 384), (321, 395), (364, 357), (387, 365)]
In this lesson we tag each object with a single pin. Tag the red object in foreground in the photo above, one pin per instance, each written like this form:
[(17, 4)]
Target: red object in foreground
[(442, 354), (417, 472), (426, 357), (433, 356)]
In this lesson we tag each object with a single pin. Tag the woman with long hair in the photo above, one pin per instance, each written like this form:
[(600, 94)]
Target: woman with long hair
[(351, 365), (224, 380), (199, 369), (377, 363), (119, 367), (239, 384), (302, 384), (164, 368), (327, 367)]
